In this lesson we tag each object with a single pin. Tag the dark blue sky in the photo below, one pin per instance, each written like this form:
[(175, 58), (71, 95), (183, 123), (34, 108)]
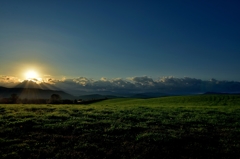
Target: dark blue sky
[(198, 39)]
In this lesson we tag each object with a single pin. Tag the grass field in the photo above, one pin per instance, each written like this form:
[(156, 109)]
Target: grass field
[(201, 126)]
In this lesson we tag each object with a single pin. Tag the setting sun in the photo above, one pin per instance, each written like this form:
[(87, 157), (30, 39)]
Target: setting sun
[(31, 75)]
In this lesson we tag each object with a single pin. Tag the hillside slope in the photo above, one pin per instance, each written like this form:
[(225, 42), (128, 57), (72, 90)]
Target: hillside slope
[(193, 100)]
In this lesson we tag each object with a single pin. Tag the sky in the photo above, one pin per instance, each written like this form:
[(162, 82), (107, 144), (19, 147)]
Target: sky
[(120, 39)]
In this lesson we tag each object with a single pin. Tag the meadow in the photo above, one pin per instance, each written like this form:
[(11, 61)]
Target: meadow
[(197, 126)]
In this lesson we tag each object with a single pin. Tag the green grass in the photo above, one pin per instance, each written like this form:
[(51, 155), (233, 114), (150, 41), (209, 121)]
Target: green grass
[(193, 100), (202, 126)]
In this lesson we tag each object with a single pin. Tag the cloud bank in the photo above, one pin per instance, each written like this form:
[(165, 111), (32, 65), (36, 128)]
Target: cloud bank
[(8, 81), (141, 84)]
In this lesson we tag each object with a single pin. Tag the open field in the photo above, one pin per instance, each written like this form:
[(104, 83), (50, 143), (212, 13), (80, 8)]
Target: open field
[(201, 126)]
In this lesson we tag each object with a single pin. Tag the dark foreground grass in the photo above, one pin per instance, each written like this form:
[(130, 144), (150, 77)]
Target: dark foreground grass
[(111, 130)]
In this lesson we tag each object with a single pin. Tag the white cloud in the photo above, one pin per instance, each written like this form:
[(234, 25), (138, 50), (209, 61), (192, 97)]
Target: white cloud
[(136, 84), (143, 81), (147, 84)]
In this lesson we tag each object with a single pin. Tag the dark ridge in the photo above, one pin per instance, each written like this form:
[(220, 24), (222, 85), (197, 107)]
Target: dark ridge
[(223, 93), (96, 96), (32, 93), (31, 84), (149, 95)]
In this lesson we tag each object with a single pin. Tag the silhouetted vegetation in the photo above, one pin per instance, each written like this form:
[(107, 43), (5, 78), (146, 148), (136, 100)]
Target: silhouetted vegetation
[(54, 99), (14, 98)]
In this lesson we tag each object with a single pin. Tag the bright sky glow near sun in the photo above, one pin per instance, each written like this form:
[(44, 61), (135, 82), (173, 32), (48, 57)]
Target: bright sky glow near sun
[(119, 39), (31, 74)]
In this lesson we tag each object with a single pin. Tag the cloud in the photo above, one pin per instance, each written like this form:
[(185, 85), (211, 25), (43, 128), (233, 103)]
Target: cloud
[(143, 81), (141, 84), (147, 84), (8, 81)]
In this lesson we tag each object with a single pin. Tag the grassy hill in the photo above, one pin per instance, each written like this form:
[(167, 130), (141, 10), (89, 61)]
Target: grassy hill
[(192, 100), (202, 126)]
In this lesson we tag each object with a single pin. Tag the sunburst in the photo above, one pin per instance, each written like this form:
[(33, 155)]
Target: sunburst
[(32, 75)]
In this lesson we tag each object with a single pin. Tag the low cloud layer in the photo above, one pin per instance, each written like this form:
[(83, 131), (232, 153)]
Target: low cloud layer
[(142, 84), (8, 81)]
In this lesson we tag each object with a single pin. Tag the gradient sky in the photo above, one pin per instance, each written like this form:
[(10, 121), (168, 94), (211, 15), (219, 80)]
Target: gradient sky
[(121, 39)]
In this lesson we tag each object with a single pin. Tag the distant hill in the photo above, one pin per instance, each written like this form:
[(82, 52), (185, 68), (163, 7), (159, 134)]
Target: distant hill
[(33, 93), (149, 95), (32, 90), (220, 93), (31, 84), (96, 96)]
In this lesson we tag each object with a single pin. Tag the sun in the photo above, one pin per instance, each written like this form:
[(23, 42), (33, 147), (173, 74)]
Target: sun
[(29, 75)]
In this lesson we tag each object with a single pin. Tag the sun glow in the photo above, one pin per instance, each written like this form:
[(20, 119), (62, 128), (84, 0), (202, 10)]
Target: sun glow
[(32, 75)]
